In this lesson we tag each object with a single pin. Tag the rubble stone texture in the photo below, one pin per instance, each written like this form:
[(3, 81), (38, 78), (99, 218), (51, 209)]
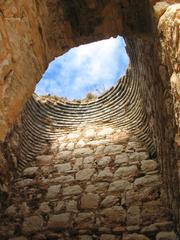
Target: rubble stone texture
[(73, 164), (72, 199)]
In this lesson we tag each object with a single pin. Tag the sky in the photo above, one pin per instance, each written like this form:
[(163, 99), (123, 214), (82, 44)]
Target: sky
[(93, 67)]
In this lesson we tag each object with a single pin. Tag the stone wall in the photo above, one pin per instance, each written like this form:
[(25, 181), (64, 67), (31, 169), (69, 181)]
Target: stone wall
[(34, 32), (96, 182), (27, 46)]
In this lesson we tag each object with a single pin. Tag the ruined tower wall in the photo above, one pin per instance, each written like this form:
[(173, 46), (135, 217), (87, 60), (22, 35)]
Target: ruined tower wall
[(96, 182)]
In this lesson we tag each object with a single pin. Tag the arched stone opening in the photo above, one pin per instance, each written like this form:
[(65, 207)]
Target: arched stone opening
[(85, 72), (150, 72)]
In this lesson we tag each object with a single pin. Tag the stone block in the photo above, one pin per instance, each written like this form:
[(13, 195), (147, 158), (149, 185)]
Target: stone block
[(63, 167), (59, 221), (89, 133), (44, 159), (129, 172), (84, 220), (71, 206), (85, 174), (121, 159), (120, 186), (53, 191), (133, 215), (115, 214), (106, 131), (32, 225), (85, 237), (31, 171), (59, 206), (166, 236), (104, 161), (135, 236), (112, 149), (105, 174), (149, 165), (72, 190), (82, 152), (110, 201), (44, 207), (109, 237), (147, 180), (89, 201)]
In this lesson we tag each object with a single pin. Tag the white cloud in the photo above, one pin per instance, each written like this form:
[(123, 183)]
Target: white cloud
[(86, 68)]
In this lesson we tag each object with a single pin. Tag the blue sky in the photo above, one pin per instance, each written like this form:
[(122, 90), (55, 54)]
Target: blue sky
[(93, 67)]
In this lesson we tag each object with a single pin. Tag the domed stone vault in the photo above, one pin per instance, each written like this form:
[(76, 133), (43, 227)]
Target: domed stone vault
[(107, 169)]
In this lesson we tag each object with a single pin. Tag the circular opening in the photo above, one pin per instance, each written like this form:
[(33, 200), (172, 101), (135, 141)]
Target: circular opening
[(85, 72)]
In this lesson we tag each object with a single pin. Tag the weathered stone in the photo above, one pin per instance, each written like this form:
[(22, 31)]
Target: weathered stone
[(62, 179), (64, 155), (151, 229), (166, 236), (149, 165), (105, 174), (63, 167), (113, 149), (119, 186), (149, 212), (147, 180), (31, 171), (99, 150), (59, 221), (138, 156), (18, 238), (24, 209), (85, 237), (24, 183), (129, 172), (109, 237), (80, 144), (85, 174), (71, 206), (159, 8), (104, 161), (84, 220), (101, 186), (90, 133), (72, 190), (73, 136), (44, 207), (109, 201), (39, 236), (89, 201), (53, 191), (115, 214), (32, 225), (82, 152), (44, 159), (88, 162), (104, 132), (59, 207), (70, 146), (11, 210), (135, 236), (133, 215), (121, 159)]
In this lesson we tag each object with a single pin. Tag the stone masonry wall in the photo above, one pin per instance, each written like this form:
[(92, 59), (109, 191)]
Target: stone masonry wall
[(97, 182)]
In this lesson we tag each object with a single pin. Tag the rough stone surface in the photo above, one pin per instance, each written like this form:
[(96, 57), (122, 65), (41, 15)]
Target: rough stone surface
[(59, 221), (92, 196), (32, 225)]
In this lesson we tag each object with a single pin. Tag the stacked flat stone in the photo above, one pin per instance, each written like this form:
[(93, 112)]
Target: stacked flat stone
[(45, 119)]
